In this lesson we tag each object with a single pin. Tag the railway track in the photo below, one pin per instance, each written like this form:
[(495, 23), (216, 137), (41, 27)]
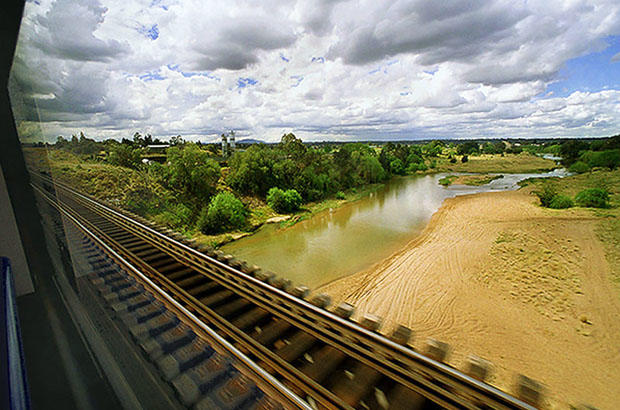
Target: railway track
[(322, 356)]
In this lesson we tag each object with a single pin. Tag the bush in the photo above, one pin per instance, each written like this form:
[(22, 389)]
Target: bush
[(412, 168), (340, 195), (464, 159), (225, 212), (561, 202), (579, 167), (546, 194), (593, 198), (125, 156), (284, 201)]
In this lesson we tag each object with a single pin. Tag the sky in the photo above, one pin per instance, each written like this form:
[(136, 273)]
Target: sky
[(322, 69)]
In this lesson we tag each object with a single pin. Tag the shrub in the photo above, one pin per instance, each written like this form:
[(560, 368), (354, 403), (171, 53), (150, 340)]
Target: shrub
[(593, 198), (561, 202), (546, 194), (225, 212), (579, 167), (412, 168), (464, 159), (340, 195), (284, 201), (125, 156)]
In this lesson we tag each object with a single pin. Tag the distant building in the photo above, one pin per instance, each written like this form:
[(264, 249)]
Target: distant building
[(157, 148), (224, 146)]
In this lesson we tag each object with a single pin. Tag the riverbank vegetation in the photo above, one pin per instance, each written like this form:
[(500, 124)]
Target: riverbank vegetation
[(198, 190), (473, 180), (598, 191)]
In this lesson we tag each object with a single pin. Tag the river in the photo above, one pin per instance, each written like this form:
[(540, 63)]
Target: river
[(340, 242)]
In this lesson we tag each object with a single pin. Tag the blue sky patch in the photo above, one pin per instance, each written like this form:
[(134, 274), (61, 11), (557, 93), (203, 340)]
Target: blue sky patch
[(318, 60), (284, 58), (244, 82), (190, 74), (158, 3), (593, 72), (152, 75), (299, 79), (150, 32)]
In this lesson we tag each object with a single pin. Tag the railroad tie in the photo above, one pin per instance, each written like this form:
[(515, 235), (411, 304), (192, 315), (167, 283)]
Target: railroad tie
[(402, 335), (353, 389), (195, 382), (401, 397), (437, 350), (298, 344), (217, 297), (271, 332), (323, 363), (124, 294), (180, 360), (154, 326), (529, 390), (250, 318), (131, 304), (168, 341), (201, 290), (143, 314), (237, 392), (477, 367), (232, 308)]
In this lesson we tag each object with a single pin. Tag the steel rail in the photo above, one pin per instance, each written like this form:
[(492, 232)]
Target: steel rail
[(292, 374), (292, 398), (400, 363)]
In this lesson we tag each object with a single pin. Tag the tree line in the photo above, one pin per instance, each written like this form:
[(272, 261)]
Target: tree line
[(194, 189)]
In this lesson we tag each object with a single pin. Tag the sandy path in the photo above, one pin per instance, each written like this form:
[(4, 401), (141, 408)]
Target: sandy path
[(499, 277)]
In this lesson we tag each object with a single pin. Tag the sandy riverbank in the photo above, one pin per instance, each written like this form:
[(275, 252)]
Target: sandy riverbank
[(524, 287)]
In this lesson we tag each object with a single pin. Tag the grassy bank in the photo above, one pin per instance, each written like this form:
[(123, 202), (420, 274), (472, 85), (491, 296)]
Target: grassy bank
[(608, 228), (473, 180), (509, 163)]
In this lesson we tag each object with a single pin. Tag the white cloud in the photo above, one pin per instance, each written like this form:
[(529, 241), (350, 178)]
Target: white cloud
[(322, 68)]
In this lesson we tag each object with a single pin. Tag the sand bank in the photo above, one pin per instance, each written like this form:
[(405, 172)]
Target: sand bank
[(524, 287)]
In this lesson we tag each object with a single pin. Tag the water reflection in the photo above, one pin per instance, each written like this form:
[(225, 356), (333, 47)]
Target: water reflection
[(351, 238)]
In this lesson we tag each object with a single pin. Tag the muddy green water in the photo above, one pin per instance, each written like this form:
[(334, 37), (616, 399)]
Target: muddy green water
[(337, 243)]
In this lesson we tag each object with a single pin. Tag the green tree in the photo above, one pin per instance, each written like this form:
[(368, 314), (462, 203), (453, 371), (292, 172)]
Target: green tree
[(251, 171), (604, 159), (579, 167), (468, 148), (397, 167), (225, 212), (571, 150), (125, 156), (292, 146), (192, 172), (284, 201)]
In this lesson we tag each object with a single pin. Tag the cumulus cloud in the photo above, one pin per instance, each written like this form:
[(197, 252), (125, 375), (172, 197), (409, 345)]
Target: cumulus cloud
[(67, 31), (323, 69)]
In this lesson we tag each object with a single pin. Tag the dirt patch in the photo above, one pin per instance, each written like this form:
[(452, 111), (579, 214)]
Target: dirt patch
[(495, 275)]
